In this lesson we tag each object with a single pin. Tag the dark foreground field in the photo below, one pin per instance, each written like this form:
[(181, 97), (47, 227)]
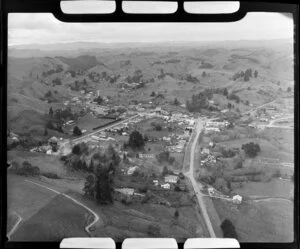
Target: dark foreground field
[(59, 219)]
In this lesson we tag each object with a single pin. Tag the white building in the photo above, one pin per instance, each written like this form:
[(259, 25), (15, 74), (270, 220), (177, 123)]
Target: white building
[(171, 179), (211, 129), (146, 155), (205, 151), (165, 186), (125, 191), (155, 182), (237, 199), (131, 170)]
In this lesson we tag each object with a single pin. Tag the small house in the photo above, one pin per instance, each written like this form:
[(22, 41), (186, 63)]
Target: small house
[(131, 170), (205, 151), (166, 186), (125, 191), (237, 199), (171, 179)]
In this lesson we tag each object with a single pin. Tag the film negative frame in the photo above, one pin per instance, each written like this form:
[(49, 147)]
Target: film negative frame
[(53, 6)]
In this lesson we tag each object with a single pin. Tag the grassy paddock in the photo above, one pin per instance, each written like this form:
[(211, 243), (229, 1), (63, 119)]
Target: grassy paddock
[(53, 223)]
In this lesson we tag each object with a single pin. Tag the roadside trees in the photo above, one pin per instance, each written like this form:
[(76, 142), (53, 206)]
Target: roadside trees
[(77, 131), (228, 229), (136, 140)]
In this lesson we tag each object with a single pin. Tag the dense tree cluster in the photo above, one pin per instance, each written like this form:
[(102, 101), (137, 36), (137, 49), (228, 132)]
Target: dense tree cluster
[(94, 76), (62, 114), (176, 102), (48, 94), (77, 131), (99, 184), (27, 169), (156, 126), (199, 101), (79, 85), (191, 78), (251, 149), (227, 153), (245, 75), (136, 140), (58, 69), (153, 94), (56, 126), (56, 81), (172, 61), (72, 72), (206, 65), (233, 96), (136, 77), (163, 74)]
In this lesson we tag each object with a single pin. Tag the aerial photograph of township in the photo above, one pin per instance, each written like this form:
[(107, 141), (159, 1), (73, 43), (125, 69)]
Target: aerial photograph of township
[(167, 137)]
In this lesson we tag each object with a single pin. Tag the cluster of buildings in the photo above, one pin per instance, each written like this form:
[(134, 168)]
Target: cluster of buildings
[(169, 181), (128, 194), (177, 147), (208, 160), (215, 126)]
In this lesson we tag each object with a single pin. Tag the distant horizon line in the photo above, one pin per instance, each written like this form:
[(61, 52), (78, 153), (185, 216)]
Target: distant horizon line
[(147, 42)]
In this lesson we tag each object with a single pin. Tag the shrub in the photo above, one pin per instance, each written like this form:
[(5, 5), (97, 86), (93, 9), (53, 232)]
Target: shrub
[(28, 170), (51, 175), (228, 153)]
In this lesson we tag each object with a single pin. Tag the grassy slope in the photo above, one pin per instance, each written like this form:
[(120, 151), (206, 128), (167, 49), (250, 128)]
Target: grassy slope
[(53, 223), (267, 221), (25, 198)]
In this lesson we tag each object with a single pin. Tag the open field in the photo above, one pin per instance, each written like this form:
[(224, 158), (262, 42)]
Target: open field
[(121, 221), (25, 198), (88, 122), (52, 223), (265, 221), (269, 148), (274, 188)]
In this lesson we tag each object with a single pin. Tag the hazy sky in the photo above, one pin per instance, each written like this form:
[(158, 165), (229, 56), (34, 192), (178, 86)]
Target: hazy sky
[(45, 28)]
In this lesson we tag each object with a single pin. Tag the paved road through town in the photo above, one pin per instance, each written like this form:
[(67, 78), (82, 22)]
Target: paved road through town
[(199, 126), (76, 140)]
